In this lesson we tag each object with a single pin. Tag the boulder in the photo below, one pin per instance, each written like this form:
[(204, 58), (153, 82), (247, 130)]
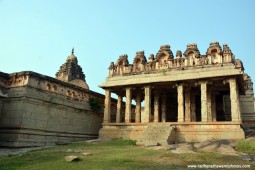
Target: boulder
[(71, 158)]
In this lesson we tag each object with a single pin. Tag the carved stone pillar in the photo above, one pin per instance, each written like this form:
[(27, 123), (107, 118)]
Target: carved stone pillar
[(187, 105), (209, 104), (147, 105), (163, 108), (118, 109), (128, 105), (204, 112), (156, 106), (214, 118), (180, 103), (193, 107), (234, 98), (138, 108), (107, 106)]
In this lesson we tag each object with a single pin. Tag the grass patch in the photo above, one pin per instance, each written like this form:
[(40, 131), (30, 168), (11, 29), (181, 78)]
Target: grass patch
[(115, 154), (246, 146)]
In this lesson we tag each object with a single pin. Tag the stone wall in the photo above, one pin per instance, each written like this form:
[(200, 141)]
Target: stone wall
[(1, 104), (246, 107), (41, 110)]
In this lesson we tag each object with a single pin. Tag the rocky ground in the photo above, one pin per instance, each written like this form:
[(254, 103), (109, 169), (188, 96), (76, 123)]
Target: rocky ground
[(17, 151), (225, 147)]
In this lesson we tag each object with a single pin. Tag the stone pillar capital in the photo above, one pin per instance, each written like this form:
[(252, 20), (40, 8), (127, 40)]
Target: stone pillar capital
[(128, 88), (203, 82), (228, 80), (179, 84), (147, 86)]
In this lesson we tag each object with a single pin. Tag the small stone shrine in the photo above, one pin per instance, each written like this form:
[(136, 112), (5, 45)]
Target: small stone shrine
[(189, 97)]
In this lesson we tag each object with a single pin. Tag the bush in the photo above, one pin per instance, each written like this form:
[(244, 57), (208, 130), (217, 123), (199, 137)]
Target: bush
[(246, 146), (94, 104)]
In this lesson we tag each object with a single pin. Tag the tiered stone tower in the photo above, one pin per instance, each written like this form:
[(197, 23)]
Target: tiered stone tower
[(71, 72)]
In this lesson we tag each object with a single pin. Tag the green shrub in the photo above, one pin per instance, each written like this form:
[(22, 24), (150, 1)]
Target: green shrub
[(246, 146), (94, 104)]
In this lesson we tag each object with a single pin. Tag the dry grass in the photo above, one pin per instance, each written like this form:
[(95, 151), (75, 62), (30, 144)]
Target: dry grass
[(116, 154)]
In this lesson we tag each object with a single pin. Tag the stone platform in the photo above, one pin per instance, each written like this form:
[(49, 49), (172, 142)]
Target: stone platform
[(122, 130), (180, 132)]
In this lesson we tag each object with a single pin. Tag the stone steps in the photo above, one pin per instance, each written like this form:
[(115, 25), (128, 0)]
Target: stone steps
[(156, 134)]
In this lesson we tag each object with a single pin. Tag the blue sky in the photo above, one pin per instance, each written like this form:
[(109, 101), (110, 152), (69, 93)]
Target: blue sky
[(39, 35)]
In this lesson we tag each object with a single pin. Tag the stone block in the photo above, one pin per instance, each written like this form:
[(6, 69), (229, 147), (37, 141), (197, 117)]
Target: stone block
[(28, 123), (71, 158), (41, 124)]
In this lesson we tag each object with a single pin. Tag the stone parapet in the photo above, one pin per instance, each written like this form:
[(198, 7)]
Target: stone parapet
[(165, 60), (46, 83), (40, 110)]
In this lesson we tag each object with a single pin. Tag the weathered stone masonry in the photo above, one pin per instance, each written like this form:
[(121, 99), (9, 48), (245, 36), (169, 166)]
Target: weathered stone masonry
[(37, 110), (192, 93)]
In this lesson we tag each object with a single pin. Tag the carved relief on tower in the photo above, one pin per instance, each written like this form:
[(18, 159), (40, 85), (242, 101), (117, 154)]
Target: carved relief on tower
[(191, 55), (121, 63), (164, 57), (17, 80), (112, 69), (151, 64), (227, 54), (214, 53), (239, 64), (50, 86), (248, 84), (85, 97), (68, 94), (3, 82), (139, 62), (179, 60), (165, 60)]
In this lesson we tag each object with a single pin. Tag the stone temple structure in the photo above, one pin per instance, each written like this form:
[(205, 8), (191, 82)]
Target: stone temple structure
[(38, 110), (71, 72), (189, 97)]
